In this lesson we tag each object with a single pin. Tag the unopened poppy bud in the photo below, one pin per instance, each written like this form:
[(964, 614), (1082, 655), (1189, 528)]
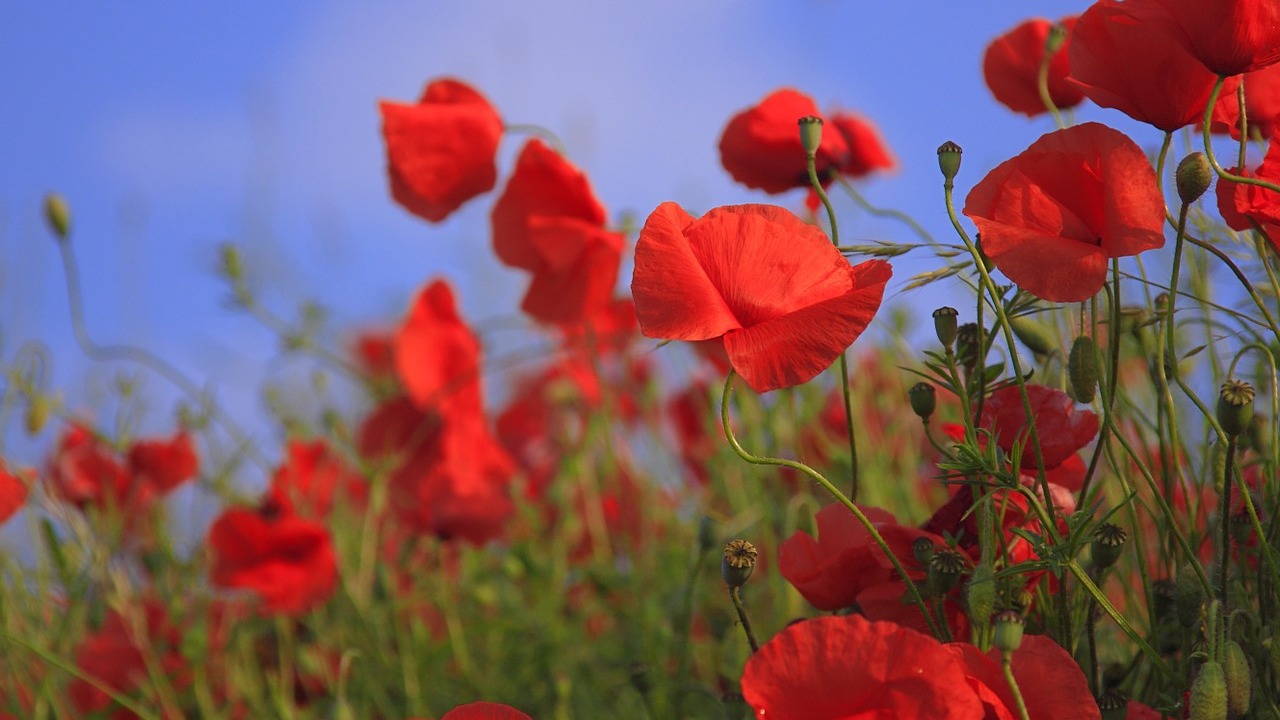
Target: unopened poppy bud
[(1188, 597), (946, 325), (1035, 336), (1114, 705), (1057, 36), (1008, 631), (1108, 541), (1208, 694), (1082, 370), (967, 346), (738, 562), (37, 414), (1193, 177), (922, 549), (58, 215), (982, 254), (810, 134), (1235, 407), (980, 593), (945, 568), (949, 159), (1235, 666), (924, 399)]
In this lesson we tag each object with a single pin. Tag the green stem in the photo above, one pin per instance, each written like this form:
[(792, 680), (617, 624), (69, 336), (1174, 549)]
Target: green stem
[(1208, 146), (1006, 663), (1224, 517), (735, 594), (1082, 576), (901, 217)]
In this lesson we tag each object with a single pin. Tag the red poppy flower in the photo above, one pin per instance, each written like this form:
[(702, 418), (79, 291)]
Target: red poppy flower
[(1011, 67), (87, 473), (1229, 36), (550, 223), (867, 150), (760, 147), (1242, 205), (1061, 428), (164, 464), (437, 355), (485, 711), (1051, 217), (843, 561), (1119, 62), (1049, 680), (784, 300), (13, 493), (288, 561), (313, 476), (440, 152), (1261, 104), (113, 655)]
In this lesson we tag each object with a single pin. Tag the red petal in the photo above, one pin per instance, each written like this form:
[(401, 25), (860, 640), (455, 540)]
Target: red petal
[(1011, 65), (761, 146), (437, 356), (485, 711)]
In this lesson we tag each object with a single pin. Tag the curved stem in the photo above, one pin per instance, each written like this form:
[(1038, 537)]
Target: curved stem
[(1042, 85), (901, 217), (537, 131), (1208, 146)]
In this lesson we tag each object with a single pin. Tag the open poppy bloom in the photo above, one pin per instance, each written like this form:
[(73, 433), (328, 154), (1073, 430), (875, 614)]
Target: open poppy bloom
[(784, 300), (833, 569), (437, 357), (1229, 36), (86, 472), (115, 655), (1011, 67), (1060, 427), (1051, 217), (549, 222), (844, 667), (440, 152), (1261, 104), (1120, 62), (313, 477)]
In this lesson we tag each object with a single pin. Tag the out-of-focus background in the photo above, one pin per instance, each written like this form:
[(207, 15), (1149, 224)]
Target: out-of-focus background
[(174, 127)]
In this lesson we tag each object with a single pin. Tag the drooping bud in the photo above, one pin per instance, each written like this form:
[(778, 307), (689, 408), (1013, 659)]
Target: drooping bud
[(945, 568), (1108, 541), (924, 400), (1235, 407), (980, 593), (1008, 631), (58, 215), (1235, 666), (810, 134), (1188, 597), (738, 562), (1193, 177), (945, 324), (1114, 705), (1082, 370), (1034, 335), (1208, 694), (949, 159)]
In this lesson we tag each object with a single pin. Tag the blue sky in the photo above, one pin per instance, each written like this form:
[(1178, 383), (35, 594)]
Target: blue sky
[(173, 127)]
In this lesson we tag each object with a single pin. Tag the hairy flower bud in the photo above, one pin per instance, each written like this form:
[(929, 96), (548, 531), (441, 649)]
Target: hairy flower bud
[(1034, 335), (1193, 177), (1208, 694), (1188, 597), (1082, 370), (980, 593), (1235, 666)]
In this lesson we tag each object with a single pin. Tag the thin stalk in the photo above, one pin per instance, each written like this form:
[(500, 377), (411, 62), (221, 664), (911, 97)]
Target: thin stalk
[(735, 594)]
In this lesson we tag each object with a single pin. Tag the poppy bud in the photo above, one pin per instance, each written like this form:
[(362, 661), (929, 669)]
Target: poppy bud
[(1208, 694), (1193, 177), (738, 562), (810, 134), (1082, 370), (58, 215), (1114, 705), (1235, 407), (1035, 336), (1235, 666), (37, 414), (1108, 541), (924, 399), (922, 548), (945, 568), (1008, 635), (1188, 597), (980, 593), (949, 159), (967, 346)]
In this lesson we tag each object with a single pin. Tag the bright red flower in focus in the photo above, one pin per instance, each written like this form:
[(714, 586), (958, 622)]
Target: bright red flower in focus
[(1120, 62), (843, 561), (288, 561), (549, 222), (1261, 104), (437, 356), (1011, 67), (1061, 428), (1240, 203), (760, 147), (1051, 217), (440, 152), (1229, 36), (784, 300), (13, 493)]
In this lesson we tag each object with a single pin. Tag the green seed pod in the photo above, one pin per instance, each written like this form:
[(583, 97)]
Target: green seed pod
[(946, 325), (1188, 597), (1193, 177), (1258, 438), (1114, 705), (1056, 38), (924, 400), (1235, 407), (1082, 370), (967, 346), (945, 568), (1235, 666), (738, 562), (949, 159), (58, 215), (1034, 335), (922, 548), (1208, 694), (1008, 631), (1108, 542), (980, 593), (810, 133)]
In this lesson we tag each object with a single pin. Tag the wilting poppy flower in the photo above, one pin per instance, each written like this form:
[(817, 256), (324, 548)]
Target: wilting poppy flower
[(1011, 67), (440, 152), (13, 493), (1051, 217), (437, 357), (549, 223), (784, 300), (288, 561), (1261, 104), (1120, 62), (1229, 36), (1061, 428)]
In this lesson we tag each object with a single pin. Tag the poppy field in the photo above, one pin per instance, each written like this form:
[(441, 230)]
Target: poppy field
[(732, 483)]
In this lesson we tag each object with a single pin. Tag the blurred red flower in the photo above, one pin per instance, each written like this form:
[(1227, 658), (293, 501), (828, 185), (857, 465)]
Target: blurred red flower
[(437, 357), (1011, 67), (1120, 62), (164, 464), (1229, 36), (1051, 217), (287, 560), (485, 711), (113, 655), (760, 147), (549, 222), (85, 471), (13, 492), (784, 300), (440, 152), (313, 476), (1261, 104), (1061, 428)]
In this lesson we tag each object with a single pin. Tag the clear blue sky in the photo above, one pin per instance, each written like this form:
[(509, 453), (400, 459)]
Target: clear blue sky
[(172, 127)]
